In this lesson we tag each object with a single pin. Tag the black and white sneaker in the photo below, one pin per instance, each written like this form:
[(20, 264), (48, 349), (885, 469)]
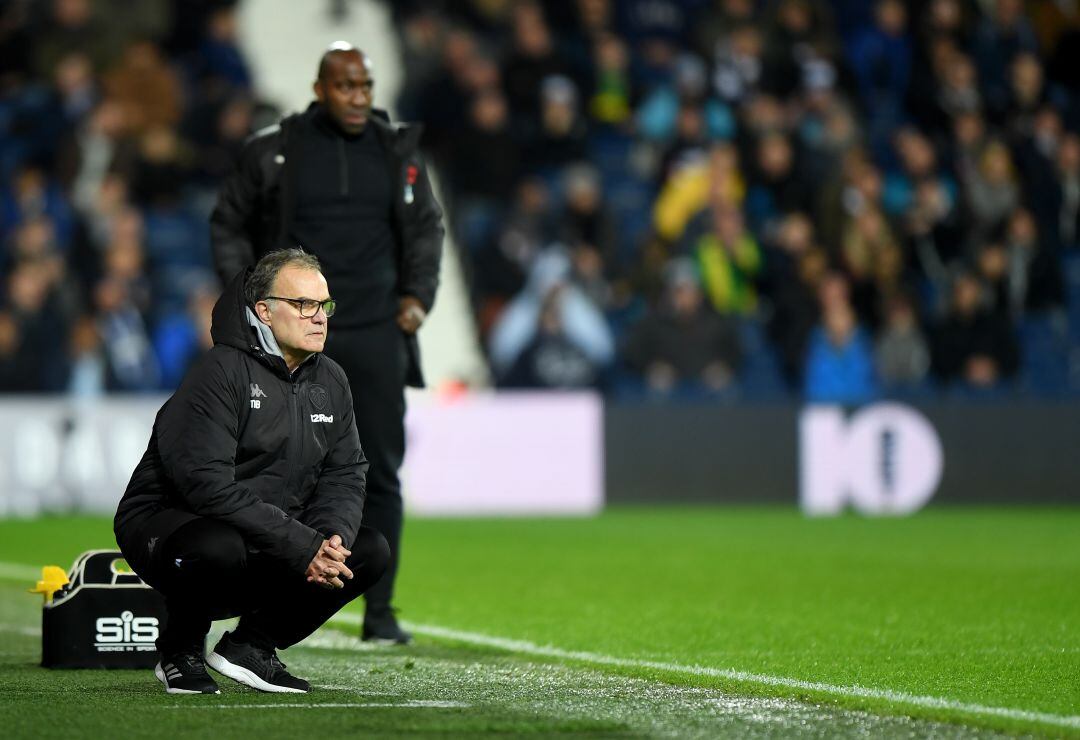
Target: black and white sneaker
[(255, 667), (381, 626), (185, 673)]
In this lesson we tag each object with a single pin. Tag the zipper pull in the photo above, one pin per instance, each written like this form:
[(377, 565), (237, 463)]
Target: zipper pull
[(343, 166)]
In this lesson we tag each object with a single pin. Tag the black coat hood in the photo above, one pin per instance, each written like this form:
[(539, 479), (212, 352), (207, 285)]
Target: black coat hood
[(229, 324), (229, 327)]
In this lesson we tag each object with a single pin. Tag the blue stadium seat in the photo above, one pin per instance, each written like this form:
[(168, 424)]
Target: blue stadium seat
[(761, 376), (1044, 354), (609, 150), (178, 250), (629, 197), (1070, 270), (630, 201)]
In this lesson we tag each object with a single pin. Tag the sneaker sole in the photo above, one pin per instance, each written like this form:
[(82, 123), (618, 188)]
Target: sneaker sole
[(246, 677), (171, 690)]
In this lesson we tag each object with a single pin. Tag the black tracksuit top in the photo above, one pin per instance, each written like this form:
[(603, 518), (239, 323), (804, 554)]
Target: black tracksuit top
[(274, 455), (343, 214)]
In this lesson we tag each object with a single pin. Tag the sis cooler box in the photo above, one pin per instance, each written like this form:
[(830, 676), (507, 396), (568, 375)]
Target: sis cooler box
[(104, 617)]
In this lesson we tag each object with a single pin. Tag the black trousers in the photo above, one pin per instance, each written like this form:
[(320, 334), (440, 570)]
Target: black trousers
[(206, 572), (375, 360)]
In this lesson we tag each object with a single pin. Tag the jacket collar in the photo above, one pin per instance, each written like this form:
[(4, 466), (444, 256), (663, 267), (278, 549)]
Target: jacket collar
[(269, 343), (402, 138), (263, 334)]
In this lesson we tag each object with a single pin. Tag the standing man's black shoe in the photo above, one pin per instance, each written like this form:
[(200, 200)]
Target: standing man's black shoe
[(185, 673), (255, 667), (381, 626)]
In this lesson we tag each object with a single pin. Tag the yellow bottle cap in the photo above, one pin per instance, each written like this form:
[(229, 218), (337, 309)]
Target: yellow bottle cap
[(53, 578)]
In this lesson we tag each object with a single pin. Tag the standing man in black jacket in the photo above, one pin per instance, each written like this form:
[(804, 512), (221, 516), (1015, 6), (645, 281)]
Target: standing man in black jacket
[(249, 498), (343, 183)]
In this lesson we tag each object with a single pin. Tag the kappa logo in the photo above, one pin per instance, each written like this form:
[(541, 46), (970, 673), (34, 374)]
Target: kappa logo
[(256, 394), (151, 544), (323, 418)]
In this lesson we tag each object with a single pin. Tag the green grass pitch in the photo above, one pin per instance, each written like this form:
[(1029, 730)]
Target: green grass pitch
[(736, 622)]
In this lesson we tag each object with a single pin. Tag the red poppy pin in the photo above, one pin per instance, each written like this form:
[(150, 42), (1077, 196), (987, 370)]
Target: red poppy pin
[(411, 173)]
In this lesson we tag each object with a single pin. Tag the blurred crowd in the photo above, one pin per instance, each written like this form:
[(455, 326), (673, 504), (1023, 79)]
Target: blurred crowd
[(118, 118), (842, 199)]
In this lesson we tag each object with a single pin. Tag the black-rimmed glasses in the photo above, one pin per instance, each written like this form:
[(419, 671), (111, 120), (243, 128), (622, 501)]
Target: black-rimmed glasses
[(308, 307)]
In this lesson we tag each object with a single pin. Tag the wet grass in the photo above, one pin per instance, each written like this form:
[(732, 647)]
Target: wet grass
[(427, 688), (970, 606)]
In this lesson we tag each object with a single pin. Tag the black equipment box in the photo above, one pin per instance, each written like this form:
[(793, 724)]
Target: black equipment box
[(103, 618)]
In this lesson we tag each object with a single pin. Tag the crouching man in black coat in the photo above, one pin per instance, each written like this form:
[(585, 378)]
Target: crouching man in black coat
[(249, 497)]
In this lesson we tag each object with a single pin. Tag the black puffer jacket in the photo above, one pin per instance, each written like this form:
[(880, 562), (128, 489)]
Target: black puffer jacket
[(275, 456), (254, 210)]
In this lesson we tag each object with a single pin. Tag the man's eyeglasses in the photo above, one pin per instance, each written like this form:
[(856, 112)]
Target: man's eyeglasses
[(308, 307)]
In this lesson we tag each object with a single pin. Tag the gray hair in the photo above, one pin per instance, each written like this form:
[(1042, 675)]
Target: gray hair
[(261, 281)]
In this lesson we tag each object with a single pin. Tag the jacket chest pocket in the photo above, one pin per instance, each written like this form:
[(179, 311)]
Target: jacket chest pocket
[(265, 425)]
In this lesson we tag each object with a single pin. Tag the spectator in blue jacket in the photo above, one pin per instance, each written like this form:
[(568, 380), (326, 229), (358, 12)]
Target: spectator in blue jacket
[(840, 358)]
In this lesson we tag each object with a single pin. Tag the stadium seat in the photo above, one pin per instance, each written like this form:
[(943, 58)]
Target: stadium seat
[(1070, 270), (1044, 352), (761, 377)]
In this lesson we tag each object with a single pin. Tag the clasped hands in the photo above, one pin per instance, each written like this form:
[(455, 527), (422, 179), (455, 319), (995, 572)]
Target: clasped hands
[(328, 566)]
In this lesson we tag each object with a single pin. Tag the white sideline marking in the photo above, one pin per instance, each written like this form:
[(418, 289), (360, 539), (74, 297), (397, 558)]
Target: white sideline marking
[(893, 697), (20, 572), (416, 704), (335, 640), (21, 630)]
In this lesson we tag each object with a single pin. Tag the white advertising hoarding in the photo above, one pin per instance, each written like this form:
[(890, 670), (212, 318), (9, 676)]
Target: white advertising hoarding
[(504, 454), (474, 454)]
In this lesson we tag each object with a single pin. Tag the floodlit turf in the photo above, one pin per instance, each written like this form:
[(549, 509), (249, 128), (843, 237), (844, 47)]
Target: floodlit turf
[(979, 608)]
